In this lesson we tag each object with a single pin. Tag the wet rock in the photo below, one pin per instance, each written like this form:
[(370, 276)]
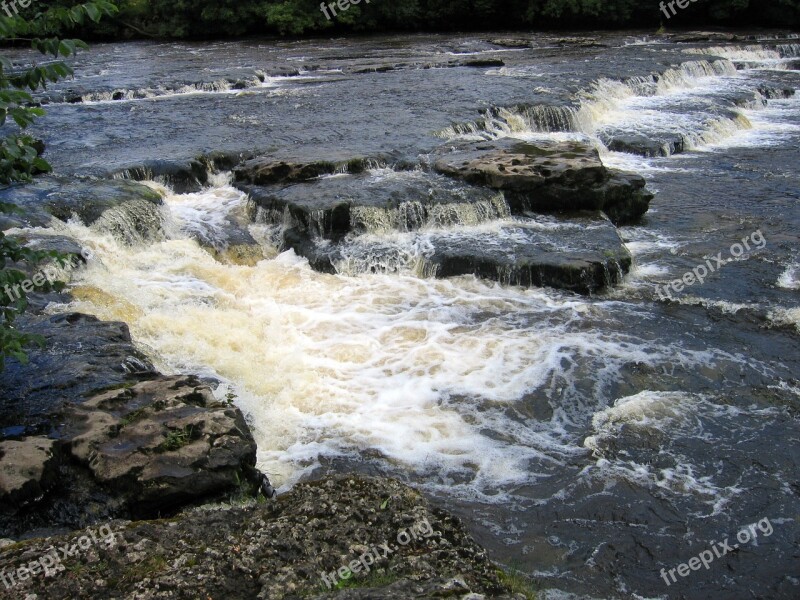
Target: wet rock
[(522, 254), (266, 171), (133, 451), (516, 43), (332, 207), (582, 253), (771, 92), (184, 176), (703, 36), (27, 470), (642, 145), (81, 355), (279, 550), (439, 587), (65, 198), (485, 62), (377, 69), (283, 72), (62, 244), (553, 176), (161, 443)]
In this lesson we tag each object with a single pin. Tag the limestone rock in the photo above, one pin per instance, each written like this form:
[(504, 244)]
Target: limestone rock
[(81, 355), (63, 198), (280, 550), (265, 170), (548, 176), (161, 443), (27, 469)]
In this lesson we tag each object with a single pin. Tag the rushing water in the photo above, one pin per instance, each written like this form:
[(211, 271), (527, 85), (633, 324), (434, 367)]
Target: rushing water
[(588, 442)]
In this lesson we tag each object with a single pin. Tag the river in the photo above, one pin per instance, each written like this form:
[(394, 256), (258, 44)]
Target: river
[(588, 441)]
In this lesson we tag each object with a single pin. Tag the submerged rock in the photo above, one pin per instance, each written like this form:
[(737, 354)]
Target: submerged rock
[(551, 176), (307, 544)]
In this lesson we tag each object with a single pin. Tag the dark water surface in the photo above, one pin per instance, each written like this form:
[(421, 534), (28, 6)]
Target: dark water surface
[(588, 442)]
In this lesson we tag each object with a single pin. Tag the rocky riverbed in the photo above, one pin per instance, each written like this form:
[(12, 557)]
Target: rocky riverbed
[(275, 550), (94, 436), (432, 258)]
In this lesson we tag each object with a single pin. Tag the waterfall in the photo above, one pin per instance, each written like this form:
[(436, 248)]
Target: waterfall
[(610, 108), (591, 106), (134, 222), (414, 215)]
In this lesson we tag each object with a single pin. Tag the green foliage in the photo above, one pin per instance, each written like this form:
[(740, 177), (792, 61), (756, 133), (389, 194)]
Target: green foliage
[(516, 581), (13, 299), (177, 439), (20, 154), (218, 18)]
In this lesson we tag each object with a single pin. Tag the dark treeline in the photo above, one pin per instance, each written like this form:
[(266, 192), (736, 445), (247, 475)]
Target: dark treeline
[(218, 18)]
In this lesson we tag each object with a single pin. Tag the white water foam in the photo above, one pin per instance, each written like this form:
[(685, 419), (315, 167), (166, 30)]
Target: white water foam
[(790, 278), (678, 103), (420, 372), (660, 418), (754, 56)]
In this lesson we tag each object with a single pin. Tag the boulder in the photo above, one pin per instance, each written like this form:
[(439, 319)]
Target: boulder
[(548, 176), (161, 443), (28, 468)]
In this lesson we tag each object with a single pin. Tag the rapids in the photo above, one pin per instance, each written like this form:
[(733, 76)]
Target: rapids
[(587, 441)]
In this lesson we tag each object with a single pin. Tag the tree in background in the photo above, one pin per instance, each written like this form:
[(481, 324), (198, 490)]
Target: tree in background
[(220, 18), (20, 154)]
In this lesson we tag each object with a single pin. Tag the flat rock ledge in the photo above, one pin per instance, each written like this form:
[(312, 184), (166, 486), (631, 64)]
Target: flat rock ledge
[(160, 443), (138, 450), (581, 253), (548, 177), (106, 204), (284, 549), (28, 468)]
